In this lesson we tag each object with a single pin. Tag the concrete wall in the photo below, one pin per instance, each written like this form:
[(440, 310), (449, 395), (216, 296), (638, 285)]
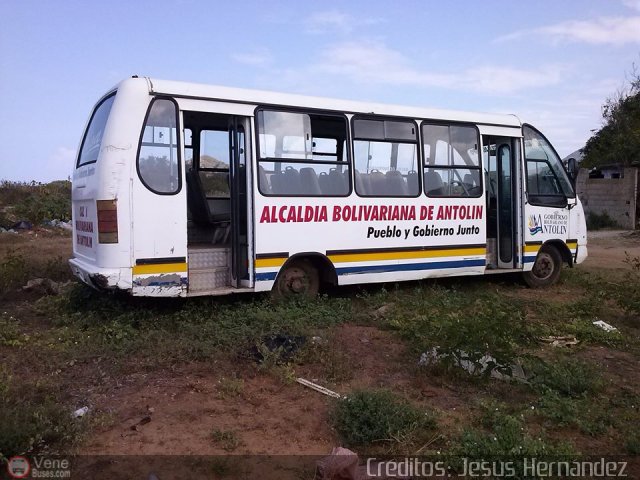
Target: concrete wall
[(617, 196)]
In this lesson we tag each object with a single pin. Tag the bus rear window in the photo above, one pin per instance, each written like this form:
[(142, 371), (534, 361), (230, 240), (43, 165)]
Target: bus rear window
[(90, 147)]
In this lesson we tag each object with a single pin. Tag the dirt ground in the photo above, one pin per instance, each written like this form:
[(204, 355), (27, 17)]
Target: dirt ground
[(174, 411)]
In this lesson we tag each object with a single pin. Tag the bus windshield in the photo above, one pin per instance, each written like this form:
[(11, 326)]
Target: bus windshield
[(546, 175), (93, 137)]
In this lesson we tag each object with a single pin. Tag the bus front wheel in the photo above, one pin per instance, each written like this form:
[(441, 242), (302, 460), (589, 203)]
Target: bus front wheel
[(546, 269), (298, 278)]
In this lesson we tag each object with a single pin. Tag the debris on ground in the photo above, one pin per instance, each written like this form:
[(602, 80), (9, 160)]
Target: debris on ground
[(380, 312), (318, 388), (143, 421), (81, 412), (58, 224), (43, 286), (605, 326), (560, 341), (22, 225), (7, 230), (282, 346), (486, 363), (343, 464), (340, 464), (316, 340)]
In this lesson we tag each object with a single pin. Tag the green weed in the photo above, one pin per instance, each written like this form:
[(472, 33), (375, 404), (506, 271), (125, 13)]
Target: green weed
[(463, 325), (368, 417), (228, 440), (10, 334), (175, 330), (230, 387), (507, 438), (566, 376), (13, 272), (33, 419)]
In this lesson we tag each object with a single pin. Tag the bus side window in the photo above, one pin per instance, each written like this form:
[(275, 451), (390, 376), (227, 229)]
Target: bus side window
[(302, 154), (452, 168), (158, 159), (386, 158)]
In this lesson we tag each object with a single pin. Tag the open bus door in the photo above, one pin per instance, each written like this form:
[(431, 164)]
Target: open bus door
[(158, 200), (217, 225), (501, 156)]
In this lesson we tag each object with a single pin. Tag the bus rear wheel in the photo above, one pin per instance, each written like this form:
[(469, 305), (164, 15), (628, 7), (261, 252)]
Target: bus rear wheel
[(299, 278), (546, 269)]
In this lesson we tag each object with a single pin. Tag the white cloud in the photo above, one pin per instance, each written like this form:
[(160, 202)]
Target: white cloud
[(600, 31), (258, 57), (634, 4), (335, 20), (375, 63)]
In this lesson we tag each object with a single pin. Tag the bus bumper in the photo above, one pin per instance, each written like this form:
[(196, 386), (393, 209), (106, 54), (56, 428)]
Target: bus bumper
[(581, 254), (101, 278)]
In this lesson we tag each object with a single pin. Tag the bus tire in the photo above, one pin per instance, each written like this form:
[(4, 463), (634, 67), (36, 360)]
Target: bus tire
[(546, 269), (298, 278)]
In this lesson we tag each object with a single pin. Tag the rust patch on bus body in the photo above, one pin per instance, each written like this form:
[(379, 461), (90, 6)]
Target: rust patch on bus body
[(163, 280)]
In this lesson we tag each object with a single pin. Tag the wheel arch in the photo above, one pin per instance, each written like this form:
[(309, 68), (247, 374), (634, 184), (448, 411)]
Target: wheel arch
[(562, 248), (324, 266)]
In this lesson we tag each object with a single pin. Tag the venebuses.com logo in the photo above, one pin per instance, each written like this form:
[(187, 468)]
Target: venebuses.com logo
[(18, 467), (38, 467)]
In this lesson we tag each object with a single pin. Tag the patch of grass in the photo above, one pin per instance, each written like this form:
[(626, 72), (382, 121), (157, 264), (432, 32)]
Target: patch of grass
[(230, 387), (335, 364), (13, 272), (507, 438), (171, 330), (228, 440), (33, 419), (368, 417), (632, 444), (628, 293), (467, 324), (589, 415), (10, 334), (36, 201), (567, 376)]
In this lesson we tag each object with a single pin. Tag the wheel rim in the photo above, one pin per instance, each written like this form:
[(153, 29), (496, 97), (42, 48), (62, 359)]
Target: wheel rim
[(544, 266), (295, 280)]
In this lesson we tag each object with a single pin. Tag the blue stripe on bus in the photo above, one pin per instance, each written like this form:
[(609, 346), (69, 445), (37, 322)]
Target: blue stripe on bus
[(529, 258), (267, 276), (410, 266)]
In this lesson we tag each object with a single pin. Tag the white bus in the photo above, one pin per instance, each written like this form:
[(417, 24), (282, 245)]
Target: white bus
[(184, 189)]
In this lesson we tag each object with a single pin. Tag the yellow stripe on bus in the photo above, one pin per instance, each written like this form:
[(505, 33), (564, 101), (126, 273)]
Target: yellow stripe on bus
[(270, 262), (159, 268), (373, 256), (535, 248), (363, 257)]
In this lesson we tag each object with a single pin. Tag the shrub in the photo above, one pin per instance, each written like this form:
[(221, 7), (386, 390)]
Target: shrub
[(366, 417), (37, 201), (567, 376), (597, 221), (628, 293)]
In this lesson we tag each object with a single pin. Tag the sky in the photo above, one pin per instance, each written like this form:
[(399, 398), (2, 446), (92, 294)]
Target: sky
[(553, 63)]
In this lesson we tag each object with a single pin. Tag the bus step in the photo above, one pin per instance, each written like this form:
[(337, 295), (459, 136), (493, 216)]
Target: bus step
[(206, 279), (209, 257)]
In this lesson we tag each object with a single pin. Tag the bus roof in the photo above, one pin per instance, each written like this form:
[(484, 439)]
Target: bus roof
[(263, 97)]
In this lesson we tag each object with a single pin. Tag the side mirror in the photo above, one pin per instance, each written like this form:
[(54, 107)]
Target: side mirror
[(572, 168)]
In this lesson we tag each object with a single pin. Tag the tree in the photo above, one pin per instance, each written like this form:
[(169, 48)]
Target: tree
[(618, 141)]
